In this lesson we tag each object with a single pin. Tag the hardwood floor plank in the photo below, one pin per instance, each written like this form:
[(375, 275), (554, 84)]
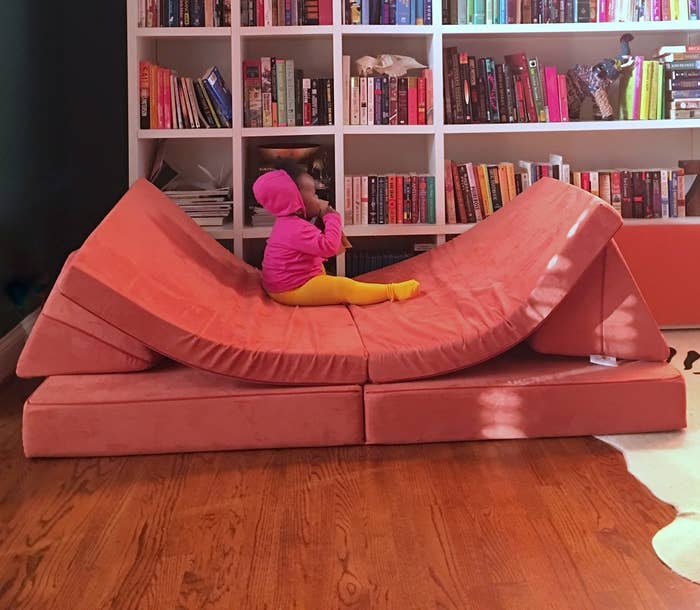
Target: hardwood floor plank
[(513, 525)]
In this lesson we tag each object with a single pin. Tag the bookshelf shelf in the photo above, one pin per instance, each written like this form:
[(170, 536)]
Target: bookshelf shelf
[(388, 129), (537, 29), (183, 32), (647, 222), (593, 126), (256, 232), (308, 31), (269, 132), (392, 229), (188, 134), (223, 232), (387, 30)]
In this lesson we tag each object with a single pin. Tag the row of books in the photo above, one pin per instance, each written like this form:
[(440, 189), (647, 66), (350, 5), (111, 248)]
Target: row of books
[(566, 11), (388, 12), (184, 13), (389, 199), (359, 262), (387, 100), (642, 91), (207, 207), (168, 101), (682, 81), (637, 193), (286, 12), (520, 90), (277, 94), (474, 191)]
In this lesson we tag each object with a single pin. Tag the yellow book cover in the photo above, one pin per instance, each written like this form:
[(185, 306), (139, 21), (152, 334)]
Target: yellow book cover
[(485, 190), (576, 176), (646, 82), (510, 169), (653, 90)]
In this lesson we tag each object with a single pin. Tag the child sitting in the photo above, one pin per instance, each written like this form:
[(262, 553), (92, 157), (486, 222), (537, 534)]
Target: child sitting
[(293, 272)]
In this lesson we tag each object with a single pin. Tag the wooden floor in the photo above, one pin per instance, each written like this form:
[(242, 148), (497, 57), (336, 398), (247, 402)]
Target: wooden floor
[(535, 524)]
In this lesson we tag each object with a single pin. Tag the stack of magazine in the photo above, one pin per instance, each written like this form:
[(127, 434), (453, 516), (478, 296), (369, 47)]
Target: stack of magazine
[(207, 207)]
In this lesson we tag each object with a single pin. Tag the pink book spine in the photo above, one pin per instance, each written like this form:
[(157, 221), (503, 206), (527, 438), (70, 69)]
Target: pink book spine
[(161, 98), (413, 101), (550, 79), (325, 12), (603, 10), (637, 76), (563, 100), (656, 10)]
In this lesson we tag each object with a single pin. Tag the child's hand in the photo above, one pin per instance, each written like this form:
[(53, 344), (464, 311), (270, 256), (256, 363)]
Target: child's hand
[(326, 208)]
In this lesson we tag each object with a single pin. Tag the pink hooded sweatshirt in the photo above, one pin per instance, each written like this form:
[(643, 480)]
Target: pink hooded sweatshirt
[(296, 249)]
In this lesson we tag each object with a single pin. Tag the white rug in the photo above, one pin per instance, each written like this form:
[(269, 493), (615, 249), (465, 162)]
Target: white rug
[(669, 465)]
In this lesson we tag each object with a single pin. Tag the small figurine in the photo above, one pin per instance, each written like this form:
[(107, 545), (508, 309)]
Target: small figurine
[(391, 65), (584, 81)]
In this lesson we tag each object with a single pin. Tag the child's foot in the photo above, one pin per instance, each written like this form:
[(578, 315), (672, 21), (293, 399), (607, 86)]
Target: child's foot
[(403, 290)]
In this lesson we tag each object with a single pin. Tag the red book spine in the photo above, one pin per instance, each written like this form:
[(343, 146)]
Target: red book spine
[(412, 101), (325, 10), (586, 181), (260, 13), (391, 198), (161, 98), (167, 104), (421, 101)]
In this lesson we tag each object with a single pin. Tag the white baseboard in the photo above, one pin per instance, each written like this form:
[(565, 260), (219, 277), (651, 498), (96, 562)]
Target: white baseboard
[(12, 343)]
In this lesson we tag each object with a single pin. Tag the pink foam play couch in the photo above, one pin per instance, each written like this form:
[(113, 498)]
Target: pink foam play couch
[(157, 339)]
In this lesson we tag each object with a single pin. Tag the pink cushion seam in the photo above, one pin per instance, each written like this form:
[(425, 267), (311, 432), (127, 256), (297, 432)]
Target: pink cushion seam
[(100, 340), (356, 390)]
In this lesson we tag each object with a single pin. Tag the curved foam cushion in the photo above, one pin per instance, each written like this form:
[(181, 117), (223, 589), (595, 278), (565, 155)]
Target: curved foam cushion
[(67, 339), (604, 313), (149, 270), (522, 394), (488, 289), (176, 408)]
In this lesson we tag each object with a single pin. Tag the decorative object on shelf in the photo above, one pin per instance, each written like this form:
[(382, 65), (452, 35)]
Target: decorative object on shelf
[(385, 64), (692, 198), (583, 81), (314, 158)]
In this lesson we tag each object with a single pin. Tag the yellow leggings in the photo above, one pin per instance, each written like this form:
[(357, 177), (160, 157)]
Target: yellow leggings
[(331, 290)]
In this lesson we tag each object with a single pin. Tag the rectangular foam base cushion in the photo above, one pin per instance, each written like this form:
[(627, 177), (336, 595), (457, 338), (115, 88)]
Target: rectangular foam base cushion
[(523, 394), (178, 409)]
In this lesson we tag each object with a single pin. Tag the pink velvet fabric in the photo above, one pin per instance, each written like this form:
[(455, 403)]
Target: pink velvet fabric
[(149, 270), (488, 289), (67, 339), (179, 409), (604, 313), (522, 394)]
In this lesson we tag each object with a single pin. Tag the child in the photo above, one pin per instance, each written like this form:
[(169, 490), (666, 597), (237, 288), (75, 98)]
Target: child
[(293, 272)]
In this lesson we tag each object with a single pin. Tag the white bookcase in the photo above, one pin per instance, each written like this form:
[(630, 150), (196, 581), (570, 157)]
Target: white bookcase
[(387, 149)]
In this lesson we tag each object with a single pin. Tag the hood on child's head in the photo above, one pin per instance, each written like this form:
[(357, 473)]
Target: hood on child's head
[(278, 193)]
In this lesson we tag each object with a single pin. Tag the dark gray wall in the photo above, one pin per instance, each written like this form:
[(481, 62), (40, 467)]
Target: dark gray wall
[(63, 139)]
